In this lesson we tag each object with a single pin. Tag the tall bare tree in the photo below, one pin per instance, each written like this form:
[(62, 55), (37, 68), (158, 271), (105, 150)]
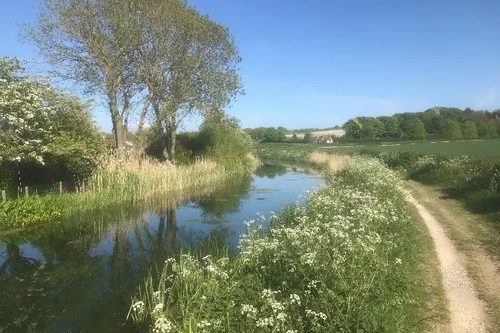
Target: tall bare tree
[(92, 42)]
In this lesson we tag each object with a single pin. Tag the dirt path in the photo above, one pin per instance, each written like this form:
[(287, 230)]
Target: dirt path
[(468, 312)]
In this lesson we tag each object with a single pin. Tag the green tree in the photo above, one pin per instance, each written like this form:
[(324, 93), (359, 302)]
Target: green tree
[(451, 129), (391, 126), (188, 62), (93, 43), (487, 129), (308, 136), (415, 129), (272, 134), (223, 141), (76, 144), (353, 128), (469, 130)]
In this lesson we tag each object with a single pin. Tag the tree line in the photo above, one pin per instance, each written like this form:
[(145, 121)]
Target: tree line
[(438, 122)]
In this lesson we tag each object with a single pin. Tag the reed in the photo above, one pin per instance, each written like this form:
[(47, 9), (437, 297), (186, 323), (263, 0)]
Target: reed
[(119, 179)]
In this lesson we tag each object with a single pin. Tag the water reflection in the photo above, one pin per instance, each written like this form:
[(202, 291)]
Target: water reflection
[(78, 276)]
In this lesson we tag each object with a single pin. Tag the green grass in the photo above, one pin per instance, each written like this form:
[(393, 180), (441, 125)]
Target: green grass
[(485, 148), (349, 261)]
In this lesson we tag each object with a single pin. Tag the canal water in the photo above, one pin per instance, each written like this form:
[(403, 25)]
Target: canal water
[(79, 276)]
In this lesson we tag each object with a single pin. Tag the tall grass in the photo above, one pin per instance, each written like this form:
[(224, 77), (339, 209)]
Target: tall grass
[(119, 180), (349, 261)]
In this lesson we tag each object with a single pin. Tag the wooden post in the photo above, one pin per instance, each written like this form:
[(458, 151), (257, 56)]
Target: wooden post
[(60, 188), (19, 188), (26, 193), (83, 185), (4, 197)]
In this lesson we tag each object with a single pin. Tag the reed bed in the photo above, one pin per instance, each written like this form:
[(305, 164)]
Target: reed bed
[(120, 180)]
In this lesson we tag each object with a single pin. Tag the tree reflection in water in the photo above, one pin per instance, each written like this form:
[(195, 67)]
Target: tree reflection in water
[(79, 275)]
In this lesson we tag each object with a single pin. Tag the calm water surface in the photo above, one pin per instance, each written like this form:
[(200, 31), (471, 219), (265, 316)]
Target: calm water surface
[(79, 276)]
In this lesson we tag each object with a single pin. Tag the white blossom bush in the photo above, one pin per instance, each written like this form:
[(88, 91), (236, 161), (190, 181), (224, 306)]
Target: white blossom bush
[(24, 115), (346, 262)]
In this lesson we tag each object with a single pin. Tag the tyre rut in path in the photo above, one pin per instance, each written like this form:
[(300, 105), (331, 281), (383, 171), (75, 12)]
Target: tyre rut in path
[(467, 311)]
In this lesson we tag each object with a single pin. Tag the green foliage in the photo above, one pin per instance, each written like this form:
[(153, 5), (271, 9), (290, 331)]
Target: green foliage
[(272, 134), (392, 126), (346, 262), (225, 143), (469, 130), (414, 129), (29, 211), (451, 129), (308, 136), (39, 123), (353, 128), (25, 127), (475, 181), (438, 122), (487, 129)]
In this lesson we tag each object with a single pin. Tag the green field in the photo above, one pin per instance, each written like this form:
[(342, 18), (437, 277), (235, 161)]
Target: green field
[(487, 148)]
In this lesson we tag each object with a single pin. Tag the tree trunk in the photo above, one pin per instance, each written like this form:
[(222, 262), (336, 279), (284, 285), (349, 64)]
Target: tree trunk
[(125, 115), (169, 138), (142, 119), (116, 119)]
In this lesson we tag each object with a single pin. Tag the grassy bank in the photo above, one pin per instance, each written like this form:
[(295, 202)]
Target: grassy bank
[(473, 181), (118, 181), (349, 261)]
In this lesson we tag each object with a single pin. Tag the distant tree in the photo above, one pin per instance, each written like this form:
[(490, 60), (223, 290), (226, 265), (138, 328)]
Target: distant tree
[(272, 134), (415, 129), (294, 136), (308, 136), (469, 130), (451, 113), (379, 128), (392, 126), (353, 128), (368, 131), (451, 129), (487, 129), (282, 129)]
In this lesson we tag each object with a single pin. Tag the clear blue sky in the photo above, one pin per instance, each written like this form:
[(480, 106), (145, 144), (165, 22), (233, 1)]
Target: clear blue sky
[(317, 63)]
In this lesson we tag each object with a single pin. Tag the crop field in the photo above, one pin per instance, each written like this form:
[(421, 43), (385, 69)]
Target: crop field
[(464, 147), (477, 148)]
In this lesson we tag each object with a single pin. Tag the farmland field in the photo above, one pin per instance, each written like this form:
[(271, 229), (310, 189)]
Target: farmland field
[(464, 147), (479, 148)]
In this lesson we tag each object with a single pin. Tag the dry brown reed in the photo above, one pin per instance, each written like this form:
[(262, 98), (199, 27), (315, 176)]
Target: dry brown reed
[(140, 179), (335, 162)]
